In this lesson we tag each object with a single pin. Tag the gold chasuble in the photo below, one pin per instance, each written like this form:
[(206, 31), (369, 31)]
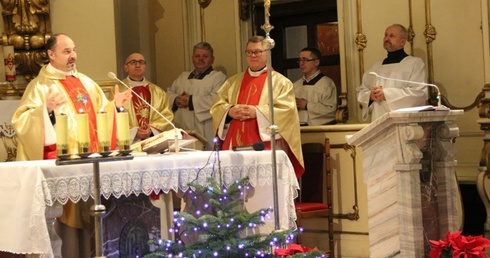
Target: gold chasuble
[(245, 89), (82, 103), (141, 114), (29, 123)]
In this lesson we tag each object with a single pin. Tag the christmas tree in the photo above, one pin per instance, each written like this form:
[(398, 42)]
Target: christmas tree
[(222, 231), (223, 226)]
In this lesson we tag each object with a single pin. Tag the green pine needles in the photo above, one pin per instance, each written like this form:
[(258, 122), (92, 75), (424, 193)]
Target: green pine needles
[(223, 232)]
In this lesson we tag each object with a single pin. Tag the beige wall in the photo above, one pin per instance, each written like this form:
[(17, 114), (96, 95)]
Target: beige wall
[(223, 32), (169, 42), (176, 31), (90, 23)]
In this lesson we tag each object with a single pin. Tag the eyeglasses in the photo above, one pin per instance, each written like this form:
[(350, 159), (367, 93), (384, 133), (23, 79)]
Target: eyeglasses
[(302, 60), (254, 53), (134, 62)]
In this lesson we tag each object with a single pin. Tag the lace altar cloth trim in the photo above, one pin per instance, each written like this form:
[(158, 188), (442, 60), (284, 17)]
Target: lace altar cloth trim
[(125, 181)]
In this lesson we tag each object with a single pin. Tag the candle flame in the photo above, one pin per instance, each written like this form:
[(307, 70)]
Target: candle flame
[(80, 111)]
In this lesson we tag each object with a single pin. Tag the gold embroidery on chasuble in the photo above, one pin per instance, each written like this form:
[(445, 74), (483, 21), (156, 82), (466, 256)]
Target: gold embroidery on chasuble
[(142, 110), (81, 101)]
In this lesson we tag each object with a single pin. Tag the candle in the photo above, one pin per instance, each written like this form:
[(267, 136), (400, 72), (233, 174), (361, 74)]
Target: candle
[(82, 132), (61, 128), (9, 61), (103, 132), (122, 122)]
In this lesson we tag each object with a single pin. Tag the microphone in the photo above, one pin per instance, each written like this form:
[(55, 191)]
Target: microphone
[(113, 76), (419, 83), (258, 146)]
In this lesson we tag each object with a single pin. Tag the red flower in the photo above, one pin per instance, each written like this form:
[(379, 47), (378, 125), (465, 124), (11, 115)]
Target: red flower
[(293, 249), (459, 246)]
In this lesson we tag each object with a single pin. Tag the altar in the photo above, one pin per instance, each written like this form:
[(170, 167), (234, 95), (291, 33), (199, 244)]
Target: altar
[(28, 188)]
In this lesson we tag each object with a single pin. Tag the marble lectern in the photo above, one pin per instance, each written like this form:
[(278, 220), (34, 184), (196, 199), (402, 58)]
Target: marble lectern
[(412, 190)]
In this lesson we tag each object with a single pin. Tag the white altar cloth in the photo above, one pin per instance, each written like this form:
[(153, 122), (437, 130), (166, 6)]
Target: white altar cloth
[(26, 188)]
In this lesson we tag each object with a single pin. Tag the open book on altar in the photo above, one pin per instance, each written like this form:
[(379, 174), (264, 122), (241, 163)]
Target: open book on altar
[(423, 108), (164, 141)]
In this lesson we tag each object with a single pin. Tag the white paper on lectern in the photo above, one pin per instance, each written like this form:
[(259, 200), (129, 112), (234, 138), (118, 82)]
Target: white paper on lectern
[(423, 108)]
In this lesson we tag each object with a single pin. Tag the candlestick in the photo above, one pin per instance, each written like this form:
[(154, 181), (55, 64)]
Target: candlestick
[(122, 122), (61, 128), (9, 61), (103, 132), (82, 132)]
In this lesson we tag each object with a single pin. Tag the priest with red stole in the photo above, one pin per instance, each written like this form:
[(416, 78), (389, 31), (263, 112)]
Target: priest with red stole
[(241, 113), (144, 121), (60, 88)]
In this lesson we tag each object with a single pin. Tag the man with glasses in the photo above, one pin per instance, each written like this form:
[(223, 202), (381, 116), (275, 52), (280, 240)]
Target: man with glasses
[(143, 120), (193, 92), (316, 94), (241, 115)]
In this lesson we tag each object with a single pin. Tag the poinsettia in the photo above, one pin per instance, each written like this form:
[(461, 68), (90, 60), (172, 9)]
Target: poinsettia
[(456, 245), (294, 249)]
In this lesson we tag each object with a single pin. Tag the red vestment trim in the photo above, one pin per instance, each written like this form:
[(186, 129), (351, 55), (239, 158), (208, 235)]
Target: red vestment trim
[(141, 109), (246, 133), (49, 152), (81, 101)]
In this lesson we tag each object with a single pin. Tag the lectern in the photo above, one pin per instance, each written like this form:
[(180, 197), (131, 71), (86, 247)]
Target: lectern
[(409, 169)]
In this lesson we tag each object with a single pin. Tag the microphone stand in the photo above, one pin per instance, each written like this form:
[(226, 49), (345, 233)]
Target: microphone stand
[(268, 45), (419, 83), (176, 135)]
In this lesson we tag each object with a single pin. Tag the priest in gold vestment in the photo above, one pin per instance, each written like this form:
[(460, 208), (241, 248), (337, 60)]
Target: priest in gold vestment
[(241, 114), (145, 122), (60, 88)]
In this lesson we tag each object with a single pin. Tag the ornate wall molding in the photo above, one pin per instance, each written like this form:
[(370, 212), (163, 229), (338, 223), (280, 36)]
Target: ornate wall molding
[(27, 27), (361, 39)]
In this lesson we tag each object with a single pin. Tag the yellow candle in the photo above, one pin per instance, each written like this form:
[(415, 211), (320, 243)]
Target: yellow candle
[(82, 133), (61, 128), (103, 132), (122, 121)]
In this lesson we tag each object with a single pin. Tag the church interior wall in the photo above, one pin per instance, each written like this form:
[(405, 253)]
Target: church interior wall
[(460, 55), (456, 53), (91, 25)]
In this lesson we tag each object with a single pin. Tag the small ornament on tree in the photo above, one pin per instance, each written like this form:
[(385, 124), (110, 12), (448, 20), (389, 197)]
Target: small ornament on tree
[(223, 233)]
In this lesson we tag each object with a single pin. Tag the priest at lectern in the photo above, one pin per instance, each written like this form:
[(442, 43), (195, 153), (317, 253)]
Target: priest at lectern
[(379, 96)]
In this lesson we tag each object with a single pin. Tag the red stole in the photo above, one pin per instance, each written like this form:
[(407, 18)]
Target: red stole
[(81, 101), (246, 133), (141, 109)]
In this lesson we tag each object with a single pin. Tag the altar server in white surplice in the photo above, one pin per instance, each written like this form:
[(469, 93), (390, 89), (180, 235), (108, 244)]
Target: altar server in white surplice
[(316, 94), (379, 96), (192, 94)]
